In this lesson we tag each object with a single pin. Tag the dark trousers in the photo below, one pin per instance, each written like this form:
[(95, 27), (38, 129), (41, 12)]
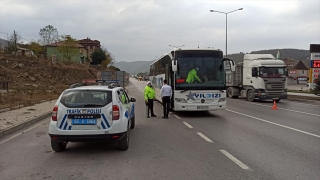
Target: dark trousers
[(149, 108), (166, 105)]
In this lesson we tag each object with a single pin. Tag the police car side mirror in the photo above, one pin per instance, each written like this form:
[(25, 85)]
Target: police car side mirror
[(132, 100)]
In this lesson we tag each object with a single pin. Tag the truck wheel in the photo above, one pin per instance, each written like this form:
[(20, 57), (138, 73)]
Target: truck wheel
[(123, 144), (278, 100), (229, 93), (133, 122), (250, 95), (58, 146)]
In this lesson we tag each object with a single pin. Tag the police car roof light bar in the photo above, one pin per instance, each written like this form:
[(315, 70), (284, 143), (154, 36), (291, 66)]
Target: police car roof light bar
[(77, 85)]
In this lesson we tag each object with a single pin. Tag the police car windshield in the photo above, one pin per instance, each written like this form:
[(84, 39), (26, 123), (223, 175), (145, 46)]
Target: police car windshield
[(86, 98)]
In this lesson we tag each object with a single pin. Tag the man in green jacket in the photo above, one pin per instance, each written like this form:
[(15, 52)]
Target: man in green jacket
[(192, 76), (149, 96)]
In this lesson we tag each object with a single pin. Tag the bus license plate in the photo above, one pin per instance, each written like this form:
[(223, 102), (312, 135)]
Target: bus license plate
[(202, 107), (84, 121)]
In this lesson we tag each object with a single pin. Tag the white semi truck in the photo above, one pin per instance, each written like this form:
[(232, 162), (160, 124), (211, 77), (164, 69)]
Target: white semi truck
[(258, 77)]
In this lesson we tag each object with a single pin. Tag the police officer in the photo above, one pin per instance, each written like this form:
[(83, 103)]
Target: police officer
[(149, 96), (192, 75)]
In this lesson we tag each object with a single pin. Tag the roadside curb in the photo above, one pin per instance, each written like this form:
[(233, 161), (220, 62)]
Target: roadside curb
[(22, 125), (299, 99), (304, 100)]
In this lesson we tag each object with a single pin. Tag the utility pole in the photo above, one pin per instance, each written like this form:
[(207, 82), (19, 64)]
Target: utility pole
[(15, 42), (87, 48)]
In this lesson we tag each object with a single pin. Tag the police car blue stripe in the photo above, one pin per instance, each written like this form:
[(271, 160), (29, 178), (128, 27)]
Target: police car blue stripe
[(64, 118), (126, 114), (105, 120), (65, 126), (103, 126)]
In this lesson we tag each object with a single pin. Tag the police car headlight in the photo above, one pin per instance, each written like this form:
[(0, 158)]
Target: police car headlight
[(181, 100), (222, 99)]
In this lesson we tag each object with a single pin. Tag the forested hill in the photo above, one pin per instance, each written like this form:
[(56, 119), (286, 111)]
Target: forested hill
[(295, 54)]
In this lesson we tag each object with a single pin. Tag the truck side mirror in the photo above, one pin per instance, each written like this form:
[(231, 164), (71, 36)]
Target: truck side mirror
[(254, 72), (174, 64)]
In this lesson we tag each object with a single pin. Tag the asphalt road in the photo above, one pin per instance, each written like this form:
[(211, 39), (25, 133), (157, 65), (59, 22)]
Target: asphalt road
[(247, 141)]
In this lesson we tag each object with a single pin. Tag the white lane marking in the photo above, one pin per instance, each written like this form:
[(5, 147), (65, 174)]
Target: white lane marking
[(298, 130), (278, 108), (20, 133), (137, 87), (204, 137), (235, 160), (188, 125), (177, 116)]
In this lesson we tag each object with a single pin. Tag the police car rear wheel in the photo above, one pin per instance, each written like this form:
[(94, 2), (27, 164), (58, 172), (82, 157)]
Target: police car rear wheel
[(123, 144), (58, 146)]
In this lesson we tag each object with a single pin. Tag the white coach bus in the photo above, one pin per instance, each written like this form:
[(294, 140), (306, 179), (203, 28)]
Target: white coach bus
[(197, 77)]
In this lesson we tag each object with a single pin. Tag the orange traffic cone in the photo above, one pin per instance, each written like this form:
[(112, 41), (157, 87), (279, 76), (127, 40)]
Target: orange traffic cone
[(274, 106)]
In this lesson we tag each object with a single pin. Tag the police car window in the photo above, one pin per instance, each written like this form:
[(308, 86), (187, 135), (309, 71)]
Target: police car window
[(123, 97), (85, 98), (128, 99), (119, 96)]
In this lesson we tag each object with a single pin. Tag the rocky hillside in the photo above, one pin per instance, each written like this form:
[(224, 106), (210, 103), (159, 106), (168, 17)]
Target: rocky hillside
[(35, 80), (28, 73)]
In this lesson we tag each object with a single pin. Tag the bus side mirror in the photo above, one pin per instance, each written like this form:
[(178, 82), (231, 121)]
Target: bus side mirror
[(231, 62), (174, 65), (232, 66)]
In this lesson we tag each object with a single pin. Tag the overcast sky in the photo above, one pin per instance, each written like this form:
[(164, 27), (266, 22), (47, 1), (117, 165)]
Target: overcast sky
[(134, 30)]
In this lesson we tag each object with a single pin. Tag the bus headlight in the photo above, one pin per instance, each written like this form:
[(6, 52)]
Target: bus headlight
[(222, 99), (181, 100)]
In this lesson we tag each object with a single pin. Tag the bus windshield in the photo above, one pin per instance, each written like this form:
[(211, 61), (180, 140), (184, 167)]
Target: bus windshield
[(200, 70)]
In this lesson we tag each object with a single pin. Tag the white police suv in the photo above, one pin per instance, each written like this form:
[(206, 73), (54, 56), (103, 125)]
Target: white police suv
[(92, 113)]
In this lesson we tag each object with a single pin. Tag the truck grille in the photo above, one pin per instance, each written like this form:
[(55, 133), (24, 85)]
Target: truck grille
[(274, 89), (271, 86)]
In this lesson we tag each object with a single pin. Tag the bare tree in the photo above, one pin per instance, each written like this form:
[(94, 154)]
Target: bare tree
[(13, 40), (48, 35)]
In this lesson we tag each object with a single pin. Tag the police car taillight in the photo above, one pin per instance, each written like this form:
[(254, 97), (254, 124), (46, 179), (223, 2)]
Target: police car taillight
[(115, 112), (54, 113)]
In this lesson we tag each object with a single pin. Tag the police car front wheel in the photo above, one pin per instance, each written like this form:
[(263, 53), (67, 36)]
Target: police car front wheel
[(58, 146)]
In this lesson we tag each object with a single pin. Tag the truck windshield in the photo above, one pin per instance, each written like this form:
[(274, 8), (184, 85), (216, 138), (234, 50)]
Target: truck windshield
[(272, 72), (200, 69)]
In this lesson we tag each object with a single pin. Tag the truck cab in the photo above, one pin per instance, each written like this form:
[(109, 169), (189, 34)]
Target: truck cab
[(259, 76)]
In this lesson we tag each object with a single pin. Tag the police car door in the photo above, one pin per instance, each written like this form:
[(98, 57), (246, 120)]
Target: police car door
[(131, 106), (125, 104)]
